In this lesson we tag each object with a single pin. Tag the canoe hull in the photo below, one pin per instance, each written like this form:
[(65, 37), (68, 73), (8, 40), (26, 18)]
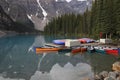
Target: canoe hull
[(112, 52), (46, 49), (59, 42), (100, 51), (90, 51), (65, 50), (77, 50)]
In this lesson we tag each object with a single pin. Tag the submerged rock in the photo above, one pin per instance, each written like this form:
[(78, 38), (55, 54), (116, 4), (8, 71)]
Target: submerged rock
[(112, 74), (110, 78), (103, 74)]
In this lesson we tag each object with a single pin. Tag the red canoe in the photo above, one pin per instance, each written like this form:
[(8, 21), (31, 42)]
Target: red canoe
[(112, 51), (82, 40), (77, 50)]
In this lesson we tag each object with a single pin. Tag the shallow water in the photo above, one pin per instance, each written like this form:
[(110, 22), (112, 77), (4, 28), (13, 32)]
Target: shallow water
[(19, 62)]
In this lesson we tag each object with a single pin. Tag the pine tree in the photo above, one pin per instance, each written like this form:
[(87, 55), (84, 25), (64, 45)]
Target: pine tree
[(117, 15)]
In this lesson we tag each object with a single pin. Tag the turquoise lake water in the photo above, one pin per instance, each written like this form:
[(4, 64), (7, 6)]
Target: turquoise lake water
[(19, 62)]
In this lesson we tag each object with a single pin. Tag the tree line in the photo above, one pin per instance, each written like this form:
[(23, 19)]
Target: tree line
[(104, 17)]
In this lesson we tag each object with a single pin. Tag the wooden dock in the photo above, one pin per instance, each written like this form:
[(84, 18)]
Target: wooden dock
[(84, 44), (53, 45), (90, 44)]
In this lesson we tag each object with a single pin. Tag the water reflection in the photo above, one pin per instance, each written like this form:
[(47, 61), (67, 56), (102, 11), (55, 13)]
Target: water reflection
[(17, 62), (38, 41), (67, 72), (100, 62)]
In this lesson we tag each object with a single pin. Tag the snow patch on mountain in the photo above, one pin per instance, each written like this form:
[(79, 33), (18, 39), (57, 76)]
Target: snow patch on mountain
[(43, 11), (8, 9), (63, 0), (38, 22), (81, 0), (29, 16), (68, 1), (87, 3)]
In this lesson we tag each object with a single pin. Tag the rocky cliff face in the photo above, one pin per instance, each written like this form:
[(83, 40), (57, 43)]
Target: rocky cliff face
[(40, 12), (5, 20), (7, 25)]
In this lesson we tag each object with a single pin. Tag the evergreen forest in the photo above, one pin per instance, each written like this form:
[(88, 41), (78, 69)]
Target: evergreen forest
[(104, 18)]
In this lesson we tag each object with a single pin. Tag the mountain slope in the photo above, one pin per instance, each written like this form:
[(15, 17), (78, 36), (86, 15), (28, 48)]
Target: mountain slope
[(42, 11), (7, 24)]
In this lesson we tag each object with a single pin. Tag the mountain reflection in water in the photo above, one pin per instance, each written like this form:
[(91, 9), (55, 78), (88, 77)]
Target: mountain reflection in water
[(19, 62), (68, 72)]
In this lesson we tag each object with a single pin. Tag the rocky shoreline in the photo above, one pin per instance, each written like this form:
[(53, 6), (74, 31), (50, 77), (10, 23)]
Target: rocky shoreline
[(111, 75), (114, 74)]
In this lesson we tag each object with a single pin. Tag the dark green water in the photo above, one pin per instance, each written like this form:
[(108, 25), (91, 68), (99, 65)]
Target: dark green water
[(18, 62)]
